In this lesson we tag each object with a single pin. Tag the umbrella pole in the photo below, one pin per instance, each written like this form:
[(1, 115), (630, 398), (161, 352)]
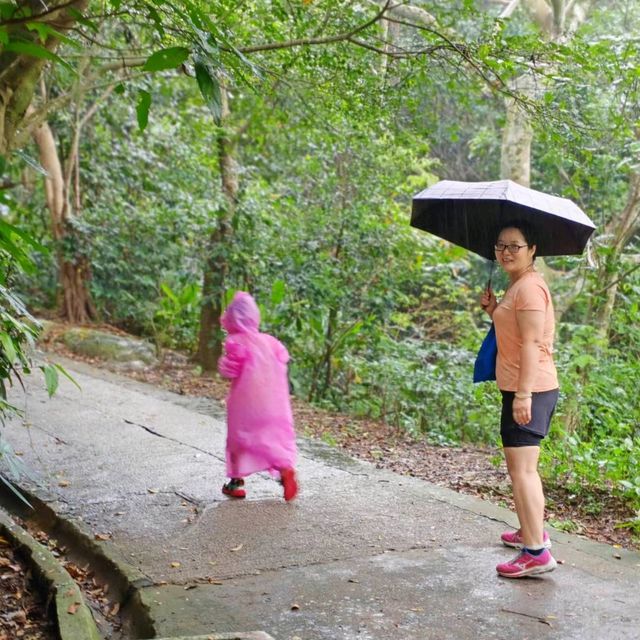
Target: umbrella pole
[(493, 263)]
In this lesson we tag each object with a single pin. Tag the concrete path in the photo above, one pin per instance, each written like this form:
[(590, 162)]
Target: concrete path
[(363, 553)]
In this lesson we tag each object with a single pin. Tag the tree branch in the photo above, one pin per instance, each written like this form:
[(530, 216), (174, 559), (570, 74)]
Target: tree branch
[(305, 42), (618, 280), (73, 159), (38, 16)]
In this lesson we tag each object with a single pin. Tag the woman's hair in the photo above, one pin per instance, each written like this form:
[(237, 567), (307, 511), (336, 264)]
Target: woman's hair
[(527, 230)]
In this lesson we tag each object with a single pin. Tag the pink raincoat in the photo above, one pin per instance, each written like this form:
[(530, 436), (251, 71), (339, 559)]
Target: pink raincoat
[(260, 435)]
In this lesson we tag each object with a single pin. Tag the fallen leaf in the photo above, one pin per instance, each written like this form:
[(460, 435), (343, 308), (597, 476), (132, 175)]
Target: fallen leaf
[(617, 556), (115, 609), (73, 608), (153, 490), (238, 547), (103, 536), (190, 586), (295, 607), (175, 565), (353, 580), (212, 581), (64, 483)]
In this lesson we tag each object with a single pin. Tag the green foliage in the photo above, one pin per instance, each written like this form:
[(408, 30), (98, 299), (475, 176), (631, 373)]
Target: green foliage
[(18, 331), (176, 316), (595, 442)]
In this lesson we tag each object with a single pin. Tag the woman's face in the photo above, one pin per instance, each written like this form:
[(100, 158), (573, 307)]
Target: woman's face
[(514, 260)]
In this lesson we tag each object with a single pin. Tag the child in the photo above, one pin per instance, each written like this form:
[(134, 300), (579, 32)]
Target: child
[(260, 435)]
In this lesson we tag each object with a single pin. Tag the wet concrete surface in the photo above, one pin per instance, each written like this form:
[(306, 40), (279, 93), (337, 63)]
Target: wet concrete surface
[(363, 553)]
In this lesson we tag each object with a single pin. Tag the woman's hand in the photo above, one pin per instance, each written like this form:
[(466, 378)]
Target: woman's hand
[(521, 411), (488, 301)]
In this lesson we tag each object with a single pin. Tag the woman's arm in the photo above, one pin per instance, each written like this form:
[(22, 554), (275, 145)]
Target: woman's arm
[(531, 325)]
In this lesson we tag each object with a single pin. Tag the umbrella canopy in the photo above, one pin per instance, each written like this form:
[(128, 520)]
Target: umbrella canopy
[(470, 214)]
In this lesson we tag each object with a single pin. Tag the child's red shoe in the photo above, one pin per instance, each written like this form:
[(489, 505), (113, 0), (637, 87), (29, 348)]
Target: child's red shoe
[(234, 488), (290, 484)]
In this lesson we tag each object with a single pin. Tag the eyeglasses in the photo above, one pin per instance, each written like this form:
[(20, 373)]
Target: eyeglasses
[(511, 248)]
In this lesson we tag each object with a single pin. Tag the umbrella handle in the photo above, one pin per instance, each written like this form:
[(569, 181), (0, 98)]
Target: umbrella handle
[(493, 262)]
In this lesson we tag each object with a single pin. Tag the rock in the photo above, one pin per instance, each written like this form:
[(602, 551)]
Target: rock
[(126, 352)]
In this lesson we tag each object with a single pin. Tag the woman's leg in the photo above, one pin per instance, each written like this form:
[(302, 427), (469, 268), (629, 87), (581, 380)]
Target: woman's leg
[(522, 464)]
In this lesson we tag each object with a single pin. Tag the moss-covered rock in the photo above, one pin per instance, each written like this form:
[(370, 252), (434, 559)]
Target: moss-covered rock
[(128, 352)]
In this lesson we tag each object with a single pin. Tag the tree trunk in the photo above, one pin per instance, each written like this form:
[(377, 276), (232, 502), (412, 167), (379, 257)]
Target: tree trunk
[(622, 229), (74, 271), (556, 21), (517, 136), (217, 264), (19, 73)]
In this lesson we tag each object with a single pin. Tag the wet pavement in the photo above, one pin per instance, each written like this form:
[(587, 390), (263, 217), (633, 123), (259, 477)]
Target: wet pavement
[(363, 553)]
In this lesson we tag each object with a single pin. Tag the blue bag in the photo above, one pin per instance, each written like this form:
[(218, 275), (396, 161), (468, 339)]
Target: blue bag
[(484, 367)]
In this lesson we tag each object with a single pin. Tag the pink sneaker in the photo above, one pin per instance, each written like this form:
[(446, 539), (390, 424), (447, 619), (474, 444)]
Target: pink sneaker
[(513, 539), (524, 564)]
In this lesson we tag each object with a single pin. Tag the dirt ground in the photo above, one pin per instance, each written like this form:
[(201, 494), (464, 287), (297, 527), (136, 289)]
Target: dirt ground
[(477, 471), (23, 612)]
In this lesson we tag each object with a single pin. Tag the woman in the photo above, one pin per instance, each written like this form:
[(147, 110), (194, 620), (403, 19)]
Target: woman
[(527, 378)]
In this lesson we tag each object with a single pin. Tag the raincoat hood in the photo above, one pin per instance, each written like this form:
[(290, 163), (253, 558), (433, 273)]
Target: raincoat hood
[(242, 315)]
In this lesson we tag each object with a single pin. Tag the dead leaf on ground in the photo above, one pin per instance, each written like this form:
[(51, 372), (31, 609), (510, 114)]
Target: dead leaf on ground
[(237, 548), (64, 483), (103, 536), (153, 490), (174, 565), (73, 608)]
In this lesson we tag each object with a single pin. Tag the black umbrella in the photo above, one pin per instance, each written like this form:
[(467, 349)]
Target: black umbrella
[(470, 214)]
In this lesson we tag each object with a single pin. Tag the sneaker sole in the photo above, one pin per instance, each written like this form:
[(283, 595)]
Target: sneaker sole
[(230, 494), (520, 545), (534, 571)]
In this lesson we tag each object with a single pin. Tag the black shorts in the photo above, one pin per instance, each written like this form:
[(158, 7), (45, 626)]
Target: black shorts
[(543, 405)]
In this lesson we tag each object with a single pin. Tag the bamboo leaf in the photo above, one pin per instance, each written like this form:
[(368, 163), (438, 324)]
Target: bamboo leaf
[(36, 50), (8, 347), (67, 375), (142, 109), (166, 59), (210, 89), (51, 378)]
